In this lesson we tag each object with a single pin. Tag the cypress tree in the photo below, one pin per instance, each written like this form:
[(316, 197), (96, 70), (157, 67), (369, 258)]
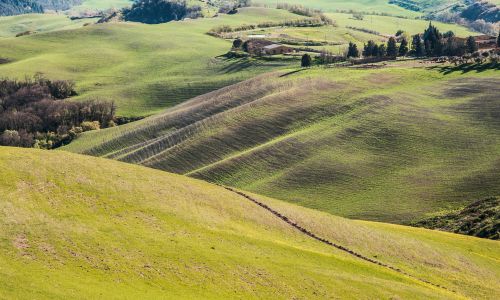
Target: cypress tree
[(471, 44), (392, 49), (353, 50), (417, 46), (498, 40), (403, 48), (381, 51), (306, 61), (432, 40), (369, 49)]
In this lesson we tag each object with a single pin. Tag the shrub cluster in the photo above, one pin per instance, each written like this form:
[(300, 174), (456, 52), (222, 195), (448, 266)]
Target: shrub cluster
[(307, 12), (32, 113), (160, 11), (365, 30), (309, 22)]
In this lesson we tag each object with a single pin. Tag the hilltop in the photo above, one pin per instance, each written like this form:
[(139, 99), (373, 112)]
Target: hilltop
[(69, 222), (390, 143)]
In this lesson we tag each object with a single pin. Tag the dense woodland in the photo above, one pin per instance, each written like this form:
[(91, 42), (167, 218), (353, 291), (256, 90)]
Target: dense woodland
[(15, 7), (33, 113), (160, 11)]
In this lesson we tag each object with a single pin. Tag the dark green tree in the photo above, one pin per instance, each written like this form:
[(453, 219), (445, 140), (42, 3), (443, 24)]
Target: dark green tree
[(432, 41), (392, 48), (237, 43), (382, 51), (417, 47), (306, 61), (448, 34), (498, 40), (352, 51), (368, 49), (403, 47), (471, 44)]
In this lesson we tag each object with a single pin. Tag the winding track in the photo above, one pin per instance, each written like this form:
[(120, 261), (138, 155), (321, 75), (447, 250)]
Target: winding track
[(327, 242)]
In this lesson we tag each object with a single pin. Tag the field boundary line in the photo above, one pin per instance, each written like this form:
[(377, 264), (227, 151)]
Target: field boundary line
[(327, 242)]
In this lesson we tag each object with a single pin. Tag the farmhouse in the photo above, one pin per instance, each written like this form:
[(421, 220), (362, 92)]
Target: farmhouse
[(265, 47), (277, 49)]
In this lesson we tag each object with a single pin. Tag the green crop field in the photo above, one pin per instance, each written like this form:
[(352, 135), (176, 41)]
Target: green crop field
[(389, 144), (80, 227), (143, 68)]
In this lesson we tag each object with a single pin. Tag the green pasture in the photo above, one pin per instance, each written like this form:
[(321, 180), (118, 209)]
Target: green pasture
[(391, 143), (81, 227)]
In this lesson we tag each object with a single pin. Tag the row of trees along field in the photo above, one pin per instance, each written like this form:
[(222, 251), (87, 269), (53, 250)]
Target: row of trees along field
[(430, 43), (32, 113)]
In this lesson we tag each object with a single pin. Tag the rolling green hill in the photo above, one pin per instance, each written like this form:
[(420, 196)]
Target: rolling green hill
[(391, 143), (368, 6), (147, 68), (80, 227), (143, 68), (36, 23)]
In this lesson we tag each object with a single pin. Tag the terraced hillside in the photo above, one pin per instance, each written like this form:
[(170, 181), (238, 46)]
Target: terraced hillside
[(70, 222), (143, 68), (390, 143)]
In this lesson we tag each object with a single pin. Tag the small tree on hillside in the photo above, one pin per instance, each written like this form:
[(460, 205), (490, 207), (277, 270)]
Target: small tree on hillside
[(471, 44), (403, 47), (352, 51), (392, 49), (498, 40), (448, 34), (237, 43), (306, 61)]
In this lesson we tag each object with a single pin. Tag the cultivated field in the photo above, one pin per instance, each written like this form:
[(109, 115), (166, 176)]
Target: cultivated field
[(389, 143), (70, 222)]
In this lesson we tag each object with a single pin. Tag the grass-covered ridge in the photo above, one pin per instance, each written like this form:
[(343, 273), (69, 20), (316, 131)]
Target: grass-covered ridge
[(69, 222), (387, 144)]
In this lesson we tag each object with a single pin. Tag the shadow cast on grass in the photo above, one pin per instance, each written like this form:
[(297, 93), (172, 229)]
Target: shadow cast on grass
[(466, 68)]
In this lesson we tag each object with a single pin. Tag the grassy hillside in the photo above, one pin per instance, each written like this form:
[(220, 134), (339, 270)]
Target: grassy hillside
[(71, 222), (144, 68), (100, 5), (349, 29), (10, 26), (388, 144), (377, 6)]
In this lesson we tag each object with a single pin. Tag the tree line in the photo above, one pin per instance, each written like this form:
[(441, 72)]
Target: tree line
[(33, 113), (430, 43)]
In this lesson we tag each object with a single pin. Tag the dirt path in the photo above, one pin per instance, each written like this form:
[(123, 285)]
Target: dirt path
[(327, 242)]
